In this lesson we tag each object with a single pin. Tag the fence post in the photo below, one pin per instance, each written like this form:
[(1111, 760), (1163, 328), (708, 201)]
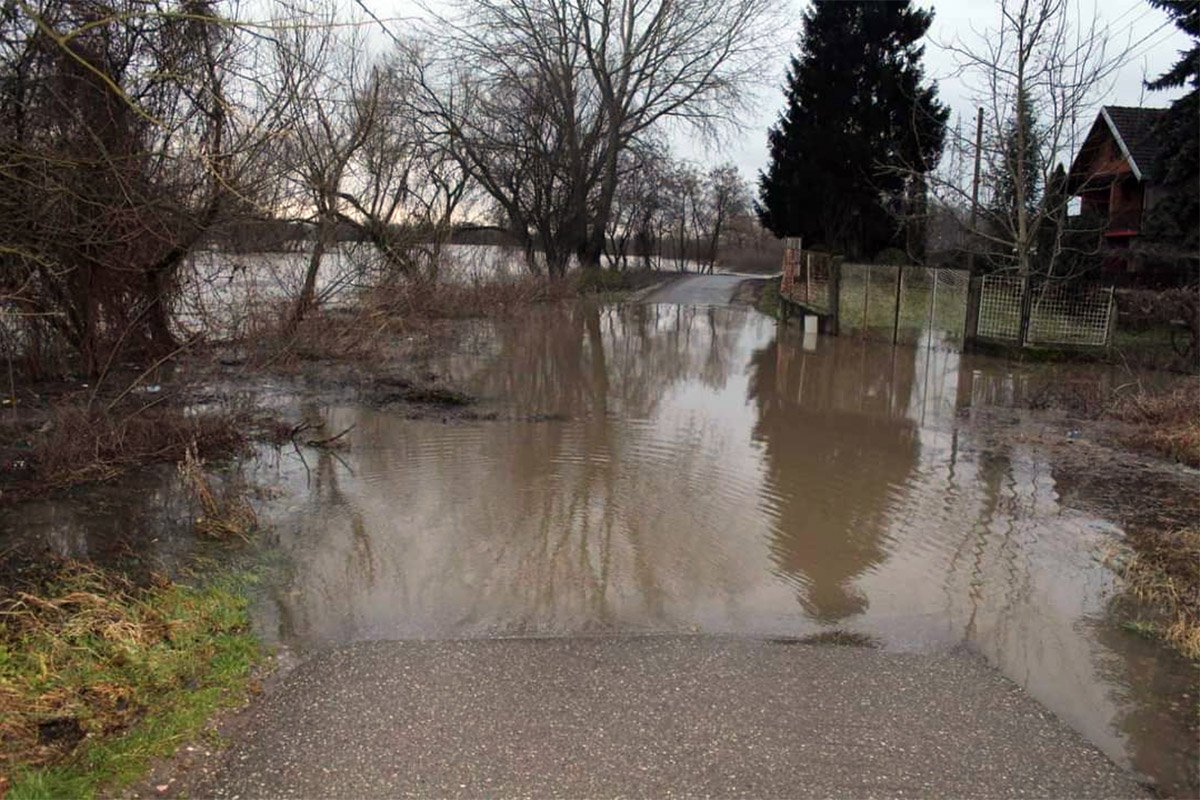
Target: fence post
[(1110, 334), (808, 279), (835, 295), (932, 308), (866, 300), (974, 298), (896, 311)]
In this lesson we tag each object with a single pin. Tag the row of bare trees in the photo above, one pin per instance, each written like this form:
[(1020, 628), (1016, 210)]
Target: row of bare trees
[(671, 211), (134, 132)]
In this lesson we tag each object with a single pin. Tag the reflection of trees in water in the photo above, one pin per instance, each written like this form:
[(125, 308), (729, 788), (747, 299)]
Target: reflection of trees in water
[(354, 572), (583, 358), (590, 554), (143, 519), (543, 526), (837, 442)]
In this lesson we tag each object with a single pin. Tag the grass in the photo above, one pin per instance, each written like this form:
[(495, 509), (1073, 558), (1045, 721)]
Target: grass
[(1163, 573), (99, 676), (1151, 347), (1168, 422), (769, 301)]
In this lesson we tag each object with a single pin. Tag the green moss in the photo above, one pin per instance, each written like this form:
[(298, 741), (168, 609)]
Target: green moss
[(135, 671)]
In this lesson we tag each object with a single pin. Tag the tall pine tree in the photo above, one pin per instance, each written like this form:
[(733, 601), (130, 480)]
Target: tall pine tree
[(859, 129), (1175, 219)]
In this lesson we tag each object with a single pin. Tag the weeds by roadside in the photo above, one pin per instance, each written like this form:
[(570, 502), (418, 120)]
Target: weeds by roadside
[(98, 676), (769, 301), (1163, 572)]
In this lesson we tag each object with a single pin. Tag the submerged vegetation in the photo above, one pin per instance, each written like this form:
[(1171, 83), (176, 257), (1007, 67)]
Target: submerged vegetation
[(1163, 574), (99, 675)]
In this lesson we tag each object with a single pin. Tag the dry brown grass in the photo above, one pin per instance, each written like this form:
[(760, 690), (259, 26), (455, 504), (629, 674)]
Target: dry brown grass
[(1167, 421), (223, 516), (1163, 572), (368, 330), (71, 444)]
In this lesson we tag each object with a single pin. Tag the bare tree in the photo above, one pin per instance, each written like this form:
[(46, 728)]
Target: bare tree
[(1039, 76), (728, 196), (122, 142), (542, 97), (326, 74)]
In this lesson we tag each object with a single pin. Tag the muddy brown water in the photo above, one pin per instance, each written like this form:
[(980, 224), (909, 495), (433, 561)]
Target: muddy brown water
[(698, 469)]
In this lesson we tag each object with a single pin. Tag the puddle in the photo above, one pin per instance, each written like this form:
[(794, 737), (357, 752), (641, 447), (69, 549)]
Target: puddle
[(695, 469)]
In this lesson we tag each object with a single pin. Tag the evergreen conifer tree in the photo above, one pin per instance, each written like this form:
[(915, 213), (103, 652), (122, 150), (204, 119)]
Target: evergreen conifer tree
[(860, 122), (1176, 218)]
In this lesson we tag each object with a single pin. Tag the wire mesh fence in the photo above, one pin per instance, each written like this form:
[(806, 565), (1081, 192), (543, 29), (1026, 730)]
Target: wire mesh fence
[(1059, 314), (999, 308), (933, 306), (1070, 315), (912, 305), (807, 277)]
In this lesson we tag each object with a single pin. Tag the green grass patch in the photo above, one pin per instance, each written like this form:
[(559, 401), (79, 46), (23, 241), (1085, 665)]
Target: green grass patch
[(99, 676), (769, 301)]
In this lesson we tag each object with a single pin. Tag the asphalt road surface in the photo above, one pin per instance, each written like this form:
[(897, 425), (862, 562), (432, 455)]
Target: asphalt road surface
[(700, 290), (652, 717)]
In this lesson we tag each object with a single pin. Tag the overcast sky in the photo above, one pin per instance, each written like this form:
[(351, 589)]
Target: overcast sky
[(1154, 43)]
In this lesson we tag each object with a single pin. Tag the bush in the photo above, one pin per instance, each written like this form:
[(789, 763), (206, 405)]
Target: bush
[(892, 256)]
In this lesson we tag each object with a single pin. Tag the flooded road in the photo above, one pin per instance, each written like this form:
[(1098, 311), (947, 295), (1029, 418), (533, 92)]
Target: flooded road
[(664, 469)]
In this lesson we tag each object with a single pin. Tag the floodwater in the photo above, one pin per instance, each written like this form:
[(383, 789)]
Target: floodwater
[(687, 468)]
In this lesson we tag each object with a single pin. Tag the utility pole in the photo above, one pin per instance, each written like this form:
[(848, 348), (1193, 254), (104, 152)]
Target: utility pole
[(975, 183), (974, 283)]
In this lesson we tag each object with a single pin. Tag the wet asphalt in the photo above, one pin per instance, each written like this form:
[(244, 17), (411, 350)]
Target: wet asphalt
[(652, 717), (698, 290)]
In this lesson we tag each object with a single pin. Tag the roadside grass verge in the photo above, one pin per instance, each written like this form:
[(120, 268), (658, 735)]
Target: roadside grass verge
[(1168, 422), (1163, 573), (99, 676), (769, 301)]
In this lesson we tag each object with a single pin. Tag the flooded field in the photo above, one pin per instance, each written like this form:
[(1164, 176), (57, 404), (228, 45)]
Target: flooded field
[(684, 468)]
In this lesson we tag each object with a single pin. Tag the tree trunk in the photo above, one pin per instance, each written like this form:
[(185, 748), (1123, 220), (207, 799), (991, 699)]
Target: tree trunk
[(326, 233)]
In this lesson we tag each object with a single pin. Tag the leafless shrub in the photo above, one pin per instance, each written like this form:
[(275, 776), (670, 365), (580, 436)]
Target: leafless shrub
[(77, 444), (120, 147), (223, 516)]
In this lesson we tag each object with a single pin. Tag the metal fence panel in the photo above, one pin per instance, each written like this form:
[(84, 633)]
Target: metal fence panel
[(806, 277), (932, 304), (915, 312), (1067, 315), (951, 293), (1000, 308)]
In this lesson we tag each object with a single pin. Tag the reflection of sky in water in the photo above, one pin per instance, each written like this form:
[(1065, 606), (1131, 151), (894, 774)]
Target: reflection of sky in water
[(716, 475)]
